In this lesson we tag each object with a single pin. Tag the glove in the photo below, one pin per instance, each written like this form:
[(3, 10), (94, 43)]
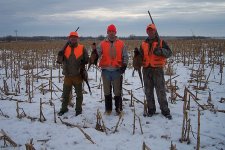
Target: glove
[(123, 68), (157, 51), (166, 52), (162, 52)]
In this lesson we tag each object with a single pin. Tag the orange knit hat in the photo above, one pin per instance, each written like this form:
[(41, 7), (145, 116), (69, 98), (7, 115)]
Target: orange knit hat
[(111, 27)]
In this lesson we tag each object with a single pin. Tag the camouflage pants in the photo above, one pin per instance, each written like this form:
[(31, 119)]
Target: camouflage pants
[(70, 81), (154, 78)]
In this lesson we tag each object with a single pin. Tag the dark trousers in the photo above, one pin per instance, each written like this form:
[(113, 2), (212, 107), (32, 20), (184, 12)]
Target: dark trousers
[(75, 81)]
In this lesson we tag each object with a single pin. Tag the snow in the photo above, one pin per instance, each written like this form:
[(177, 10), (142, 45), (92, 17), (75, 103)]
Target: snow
[(158, 132)]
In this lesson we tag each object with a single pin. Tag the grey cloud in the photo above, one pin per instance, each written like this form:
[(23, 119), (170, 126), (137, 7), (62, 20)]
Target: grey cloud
[(32, 17)]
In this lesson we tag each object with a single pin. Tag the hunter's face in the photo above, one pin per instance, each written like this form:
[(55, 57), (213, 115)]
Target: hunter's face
[(151, 33), (73, 39), (111, 34)]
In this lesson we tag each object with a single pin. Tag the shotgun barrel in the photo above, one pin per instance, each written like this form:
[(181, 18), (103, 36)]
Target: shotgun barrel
[(157, 35)]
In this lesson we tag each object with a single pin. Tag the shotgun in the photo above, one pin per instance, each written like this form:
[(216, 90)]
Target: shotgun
[(157, 35)]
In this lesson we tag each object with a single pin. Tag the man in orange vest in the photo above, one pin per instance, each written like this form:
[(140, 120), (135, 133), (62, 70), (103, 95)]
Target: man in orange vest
[(75, 57), (113, 62), (154, 53)]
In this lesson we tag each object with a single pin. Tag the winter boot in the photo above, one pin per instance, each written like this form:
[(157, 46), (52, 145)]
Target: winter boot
[(151, 112), (167, 115), (64, 108), (118, 104), (108, 104), (78, 113), (61, 112)]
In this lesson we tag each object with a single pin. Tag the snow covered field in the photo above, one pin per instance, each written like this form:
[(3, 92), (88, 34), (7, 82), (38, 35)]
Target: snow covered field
[(158, 132)]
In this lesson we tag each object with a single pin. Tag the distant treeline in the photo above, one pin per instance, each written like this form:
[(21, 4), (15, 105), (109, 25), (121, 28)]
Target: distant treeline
[(101, 37)]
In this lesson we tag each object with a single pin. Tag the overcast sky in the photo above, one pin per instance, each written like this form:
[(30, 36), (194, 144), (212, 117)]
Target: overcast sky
[(59, 17)]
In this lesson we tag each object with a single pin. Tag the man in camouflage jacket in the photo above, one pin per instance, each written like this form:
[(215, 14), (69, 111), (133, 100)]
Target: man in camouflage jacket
[(154, 53), (75, 57)]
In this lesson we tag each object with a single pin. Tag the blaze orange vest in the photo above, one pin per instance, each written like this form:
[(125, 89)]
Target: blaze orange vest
[(149, 58), (107, 60), (78, 51)]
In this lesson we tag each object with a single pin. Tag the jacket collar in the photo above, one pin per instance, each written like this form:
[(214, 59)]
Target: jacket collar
[(148, 40), (107, 39)]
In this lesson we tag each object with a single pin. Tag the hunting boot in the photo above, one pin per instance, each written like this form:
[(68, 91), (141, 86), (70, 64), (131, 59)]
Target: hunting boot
[(78, 109), (108, 104), (151, 106), (118, 104), (66, 95), (151, 111), (167, 115)]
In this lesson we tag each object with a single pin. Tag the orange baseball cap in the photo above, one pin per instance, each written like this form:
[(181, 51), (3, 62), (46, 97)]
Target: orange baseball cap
[(152, 26), (73, 34)]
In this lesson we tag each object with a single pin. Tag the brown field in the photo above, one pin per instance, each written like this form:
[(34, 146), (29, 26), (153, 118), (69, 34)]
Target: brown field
[(177, 45)]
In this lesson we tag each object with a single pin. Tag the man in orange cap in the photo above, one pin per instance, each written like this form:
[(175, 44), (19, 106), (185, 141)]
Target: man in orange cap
[(75, 57), (113, 62), (154, 53)]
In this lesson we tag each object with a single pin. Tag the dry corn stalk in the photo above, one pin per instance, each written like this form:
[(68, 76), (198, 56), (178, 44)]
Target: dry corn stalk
[(186, 120), (22, 114), (117, 124), (42, 117), (30, 146), (2, 114), (198, 135), (145, 147), (100, 126), (71, 125), (6, 138), (173, 146)]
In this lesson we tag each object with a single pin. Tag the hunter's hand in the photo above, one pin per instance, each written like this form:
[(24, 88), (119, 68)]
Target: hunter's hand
[(123, 68), (158, 51), (162, 52)]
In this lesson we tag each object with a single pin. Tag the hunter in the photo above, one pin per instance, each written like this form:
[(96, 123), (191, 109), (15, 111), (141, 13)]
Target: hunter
[(113, 63), (153, 61), (75, 57)]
